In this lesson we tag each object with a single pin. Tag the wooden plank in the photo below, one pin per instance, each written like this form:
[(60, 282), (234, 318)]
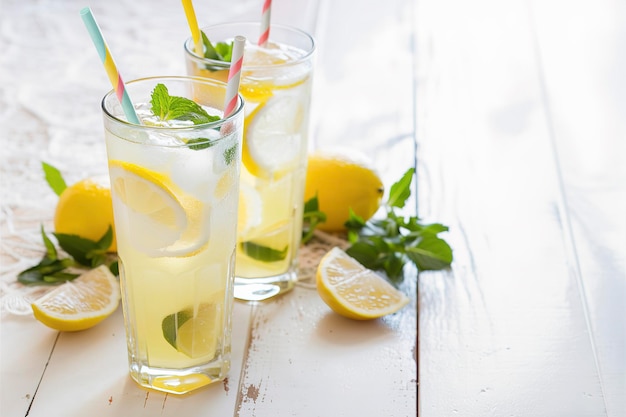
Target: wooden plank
[(306, 360), (25, 346), (504, 333), (583, 68)]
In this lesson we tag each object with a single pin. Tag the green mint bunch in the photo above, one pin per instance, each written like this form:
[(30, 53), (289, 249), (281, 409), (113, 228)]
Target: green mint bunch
[(387, 244)]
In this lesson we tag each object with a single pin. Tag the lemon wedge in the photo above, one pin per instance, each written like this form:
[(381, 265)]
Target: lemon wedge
[(81, 303), (194, 332), (159, 218), (273, 139), (354, 291), (198, 336)]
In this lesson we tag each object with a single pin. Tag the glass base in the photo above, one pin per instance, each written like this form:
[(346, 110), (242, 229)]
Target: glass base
[(179, 381), (258, 289)]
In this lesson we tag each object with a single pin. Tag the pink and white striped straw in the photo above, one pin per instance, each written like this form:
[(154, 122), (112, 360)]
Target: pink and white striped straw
[(234, 76), (265, 23)]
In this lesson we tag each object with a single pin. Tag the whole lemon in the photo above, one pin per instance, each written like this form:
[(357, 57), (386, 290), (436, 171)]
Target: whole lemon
[(85, 209), (342, 180)]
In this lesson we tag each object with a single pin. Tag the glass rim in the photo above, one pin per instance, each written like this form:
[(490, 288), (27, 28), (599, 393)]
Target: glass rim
[(188, 46), (223, 121)]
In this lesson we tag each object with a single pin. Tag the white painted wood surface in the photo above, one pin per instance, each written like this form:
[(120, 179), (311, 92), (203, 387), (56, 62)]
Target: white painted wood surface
[(521, 132), (517, 109)]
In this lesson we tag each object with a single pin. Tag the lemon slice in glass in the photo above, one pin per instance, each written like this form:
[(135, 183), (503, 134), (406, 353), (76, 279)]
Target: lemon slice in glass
[(273, 139), (159, 218), (194, 333), (81, 303), (354, 291)]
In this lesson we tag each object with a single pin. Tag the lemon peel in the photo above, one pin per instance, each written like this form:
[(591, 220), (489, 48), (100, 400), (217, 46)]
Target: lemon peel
[(272, 142), (176, 220)]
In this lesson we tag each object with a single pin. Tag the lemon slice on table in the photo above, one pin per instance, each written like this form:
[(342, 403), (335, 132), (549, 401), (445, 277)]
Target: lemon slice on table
[(273, 141), (161, 220), (81, 303), (354, 291)]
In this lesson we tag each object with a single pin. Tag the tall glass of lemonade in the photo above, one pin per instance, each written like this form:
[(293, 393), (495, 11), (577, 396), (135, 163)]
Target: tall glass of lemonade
[(174, 184), (276, 85)]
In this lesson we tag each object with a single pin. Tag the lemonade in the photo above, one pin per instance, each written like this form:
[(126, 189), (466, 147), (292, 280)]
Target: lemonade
[(174, 187), (276, 86)]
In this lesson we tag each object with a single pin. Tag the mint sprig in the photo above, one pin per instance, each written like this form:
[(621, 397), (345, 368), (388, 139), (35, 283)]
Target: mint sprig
[(387, 244), (221, 51), (52, 269), (168, 107)]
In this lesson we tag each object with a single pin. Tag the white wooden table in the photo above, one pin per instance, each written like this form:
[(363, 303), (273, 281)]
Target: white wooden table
[(512, 111)]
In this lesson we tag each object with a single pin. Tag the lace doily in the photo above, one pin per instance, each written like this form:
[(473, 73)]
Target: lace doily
[(16, 298)]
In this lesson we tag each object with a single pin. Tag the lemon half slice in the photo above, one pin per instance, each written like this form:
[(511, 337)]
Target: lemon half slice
[(160, 219), (354, 291), (273, 139), (81, 303)]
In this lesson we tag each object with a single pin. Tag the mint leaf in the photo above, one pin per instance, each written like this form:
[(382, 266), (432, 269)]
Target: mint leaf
[(172, 323), (222, 51), (264, 253), (225, 51), (311, 217), (430, 253), (168, 107), (115, 268), (54, 178), (231, 153), (199, 143), (401, 190), (48, 270), (85, 251), (51, 251)]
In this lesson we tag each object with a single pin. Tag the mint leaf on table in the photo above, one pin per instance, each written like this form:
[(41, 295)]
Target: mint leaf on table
[(311, 217), (85, 251), (168, 107), (54, 178), (387, 244), (49, 269)]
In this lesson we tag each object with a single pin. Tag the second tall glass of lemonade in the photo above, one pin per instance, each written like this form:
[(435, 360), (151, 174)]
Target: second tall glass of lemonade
[(276, 85)]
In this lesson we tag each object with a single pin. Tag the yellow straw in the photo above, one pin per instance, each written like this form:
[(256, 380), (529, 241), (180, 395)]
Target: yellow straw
[(193, 26)]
